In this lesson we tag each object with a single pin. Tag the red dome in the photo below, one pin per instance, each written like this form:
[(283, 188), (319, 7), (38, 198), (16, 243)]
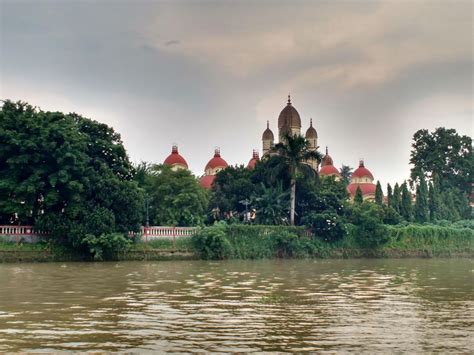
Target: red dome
[(206, 181), (253, 161), (362, 171), (175, 158), (216, 161), (327, 160), (328, 170), (366, 188)]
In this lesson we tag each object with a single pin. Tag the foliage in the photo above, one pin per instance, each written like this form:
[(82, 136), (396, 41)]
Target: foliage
[(212, 243), (358, 198), (65, 174), (369, 230), (271, 204), (444, 153), (346, 173), (396, 198), (175, 197), (295, 151), (328, 226), (406, 208), (378, 194), (421, 204), (106, 246)]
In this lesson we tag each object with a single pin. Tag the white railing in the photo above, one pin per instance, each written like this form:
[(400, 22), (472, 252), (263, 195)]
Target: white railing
[(167, 232), (19, 230)]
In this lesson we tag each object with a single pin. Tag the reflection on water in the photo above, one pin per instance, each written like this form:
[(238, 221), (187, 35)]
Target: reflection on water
[(273, 305)]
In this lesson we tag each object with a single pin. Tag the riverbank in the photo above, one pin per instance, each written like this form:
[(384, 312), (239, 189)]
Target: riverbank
[(266, 242)]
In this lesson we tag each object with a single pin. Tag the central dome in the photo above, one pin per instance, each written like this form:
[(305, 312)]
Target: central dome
[(289, 117)]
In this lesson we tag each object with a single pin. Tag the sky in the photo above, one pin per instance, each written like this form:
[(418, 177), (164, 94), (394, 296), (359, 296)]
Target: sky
[(207, 74)]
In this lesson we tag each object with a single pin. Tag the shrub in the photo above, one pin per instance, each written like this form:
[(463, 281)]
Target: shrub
[(327, 226), (106, 246), (212, 243), (369, 231)]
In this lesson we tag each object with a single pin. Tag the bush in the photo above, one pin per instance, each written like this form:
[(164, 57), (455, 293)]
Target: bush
[(212, 243), (327, 226), (106, 246), (369, 231)]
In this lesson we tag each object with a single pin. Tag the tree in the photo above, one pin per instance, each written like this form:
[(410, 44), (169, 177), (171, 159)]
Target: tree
[(369, 231), (358, 198), (389, 196), (396, 198), (271, 204), (175, 197), (346, 173), (378, 194), (295, 152), (421, 204), (65, 174), (443, 153), (406, 208)]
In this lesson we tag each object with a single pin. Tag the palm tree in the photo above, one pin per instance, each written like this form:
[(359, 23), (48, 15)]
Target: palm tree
[(295, 153), (346, 173)]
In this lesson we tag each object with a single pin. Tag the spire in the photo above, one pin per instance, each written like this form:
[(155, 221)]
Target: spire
[(174, 148), (255, 154), (268, 124), (311, 122), (217, 152), (361, 163), (327, 150), (289, 99)]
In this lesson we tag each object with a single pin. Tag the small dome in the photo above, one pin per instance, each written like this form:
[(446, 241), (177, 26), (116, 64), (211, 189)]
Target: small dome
[(365, 188), (216, 161), (327, 160), (311, 132), (362, 171), (175, 158), (253, 161), (289, 117), (206, 181), (329, 170), (267, 134)]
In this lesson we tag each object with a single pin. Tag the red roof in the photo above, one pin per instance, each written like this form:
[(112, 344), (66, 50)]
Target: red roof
[(362, 171), (175, 158), (327, 170), (216, 161), (366, 188), (253, 161), (207, 180)]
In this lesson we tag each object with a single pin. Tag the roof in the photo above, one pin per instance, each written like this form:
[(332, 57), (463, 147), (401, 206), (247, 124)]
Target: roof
[(328, 170), (327, 160), (175, 158), (289, 117), (311, 132), (362, 171), (253, 161), (366, 188), (216, 161), (206, 181), (268, 134)]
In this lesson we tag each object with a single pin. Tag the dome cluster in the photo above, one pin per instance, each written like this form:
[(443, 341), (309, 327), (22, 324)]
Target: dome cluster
[(289, 122)]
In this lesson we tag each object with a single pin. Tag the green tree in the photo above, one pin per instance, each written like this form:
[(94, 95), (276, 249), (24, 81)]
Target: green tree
[(369, 230), (346, 173), (295, 151), (421, 204), (396, 198), (389, 196), (271, 204), (65, 174), (406, 208), (176, 198), (446, 154), (378, 194), (358, 198)]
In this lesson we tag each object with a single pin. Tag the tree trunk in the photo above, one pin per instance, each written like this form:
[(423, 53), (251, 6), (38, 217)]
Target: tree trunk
[(292, 201)]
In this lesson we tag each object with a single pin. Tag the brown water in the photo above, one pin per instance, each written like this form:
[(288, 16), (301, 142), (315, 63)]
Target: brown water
[(273, 305)]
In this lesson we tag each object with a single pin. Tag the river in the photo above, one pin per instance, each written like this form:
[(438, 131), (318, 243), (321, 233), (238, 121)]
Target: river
[(407, 305)]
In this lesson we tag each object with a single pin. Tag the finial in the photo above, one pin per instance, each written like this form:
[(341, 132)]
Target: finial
[(255, 154), (289, 99), (217, 152), (174, 148), (311, 122), (361, 162), (327, 150), (268, 124)]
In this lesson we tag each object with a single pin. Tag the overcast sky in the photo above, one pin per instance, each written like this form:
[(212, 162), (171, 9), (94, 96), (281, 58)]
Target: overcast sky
[(206, 74)]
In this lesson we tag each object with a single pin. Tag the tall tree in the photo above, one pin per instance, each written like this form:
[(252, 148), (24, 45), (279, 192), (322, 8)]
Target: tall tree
[(389, 196), (378, 194), (346, 173), (295, 152), (445, 153), (406, 208), (358, 198), (396, 198), (421, 204)]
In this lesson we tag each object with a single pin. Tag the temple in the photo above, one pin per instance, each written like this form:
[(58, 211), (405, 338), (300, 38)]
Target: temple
[(289, 122)]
